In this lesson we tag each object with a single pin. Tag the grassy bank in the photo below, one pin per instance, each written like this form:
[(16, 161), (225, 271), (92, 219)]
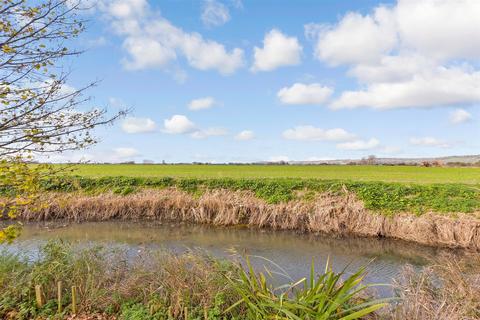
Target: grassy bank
[(405, 174), (339, 215), (161, 285), (381, 197)]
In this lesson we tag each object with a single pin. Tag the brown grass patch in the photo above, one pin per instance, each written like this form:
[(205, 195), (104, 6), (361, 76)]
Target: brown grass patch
[(447, 290)]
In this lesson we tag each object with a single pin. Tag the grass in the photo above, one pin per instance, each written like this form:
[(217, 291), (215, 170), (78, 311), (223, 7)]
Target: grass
[(162, 285), (401, 174)]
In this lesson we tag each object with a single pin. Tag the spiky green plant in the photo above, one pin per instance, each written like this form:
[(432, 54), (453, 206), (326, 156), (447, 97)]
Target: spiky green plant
[(322, 297)]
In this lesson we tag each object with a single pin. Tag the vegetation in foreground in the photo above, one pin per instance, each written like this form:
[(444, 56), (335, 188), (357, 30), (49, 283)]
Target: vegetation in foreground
[(113, 284), (404, 174), (160, 285), (382, 197)]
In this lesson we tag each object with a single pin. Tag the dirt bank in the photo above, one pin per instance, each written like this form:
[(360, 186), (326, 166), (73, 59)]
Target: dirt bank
[(327, 213)]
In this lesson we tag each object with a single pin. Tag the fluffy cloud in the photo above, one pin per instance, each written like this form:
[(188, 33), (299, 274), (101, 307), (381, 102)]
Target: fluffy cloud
[(356, 38), (245, 135), (359, 144), (138, 125), (429, 142), (439, 87), (278, 50), (151, 41), (122, 153), (345, 140), (202, 103), (301, 93), (422, 27), (460, 116), (178, 124), (214, 13), (405, 55), (311, 133)]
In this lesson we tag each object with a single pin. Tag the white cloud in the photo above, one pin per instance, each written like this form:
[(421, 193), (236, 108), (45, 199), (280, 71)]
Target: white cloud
[(151, 41), (126, 8), (123, 153), (146, 52), (209, 132), (393, 68), (429, 142), (359, 144), (202, 103), (418, 26), (278, 50), (406, 55), (214, 13), (440, 28), (245, 135), (439, 87), (460, 116), (301, 93), (178, 124), (311, 133), (138, 125), (355, 39)]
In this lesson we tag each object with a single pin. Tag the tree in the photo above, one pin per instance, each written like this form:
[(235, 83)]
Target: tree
[(39, 113)]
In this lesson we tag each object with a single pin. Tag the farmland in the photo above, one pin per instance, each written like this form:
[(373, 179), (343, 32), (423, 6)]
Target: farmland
[(401, 174)]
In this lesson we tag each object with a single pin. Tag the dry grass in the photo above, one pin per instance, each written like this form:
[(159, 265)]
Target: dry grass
[(327, 213), (108, 280), (447, 290)]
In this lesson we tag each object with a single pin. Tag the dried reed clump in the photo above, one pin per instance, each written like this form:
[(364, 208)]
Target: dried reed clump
[(447, 290), (327, 213)]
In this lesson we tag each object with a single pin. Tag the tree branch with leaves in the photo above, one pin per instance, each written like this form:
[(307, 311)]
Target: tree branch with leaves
[(39, 113)]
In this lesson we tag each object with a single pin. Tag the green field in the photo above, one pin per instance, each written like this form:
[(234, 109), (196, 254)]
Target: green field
[(405, 174)]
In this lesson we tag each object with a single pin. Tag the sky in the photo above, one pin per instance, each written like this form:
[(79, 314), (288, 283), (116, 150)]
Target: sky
[(245, 80)]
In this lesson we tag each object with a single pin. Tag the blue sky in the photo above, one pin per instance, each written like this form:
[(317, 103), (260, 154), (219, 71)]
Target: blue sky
[(231, 80)]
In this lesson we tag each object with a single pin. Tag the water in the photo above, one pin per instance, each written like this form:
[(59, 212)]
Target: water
[(294, 252)]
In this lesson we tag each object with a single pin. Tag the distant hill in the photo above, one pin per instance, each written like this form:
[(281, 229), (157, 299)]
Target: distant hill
[(468, 159)]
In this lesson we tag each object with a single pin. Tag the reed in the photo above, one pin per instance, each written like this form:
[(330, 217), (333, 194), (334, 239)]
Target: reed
[(446, 290)]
